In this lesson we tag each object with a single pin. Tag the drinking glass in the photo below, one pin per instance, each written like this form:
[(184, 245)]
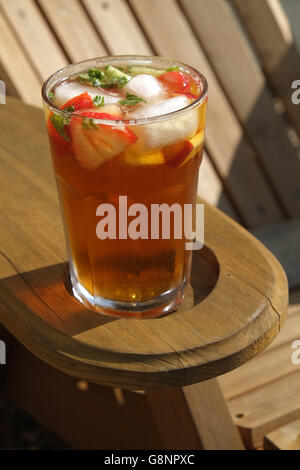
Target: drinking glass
[(121, 261)]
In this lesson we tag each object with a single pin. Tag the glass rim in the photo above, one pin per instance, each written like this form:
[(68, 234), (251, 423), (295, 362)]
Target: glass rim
[(143, 60)]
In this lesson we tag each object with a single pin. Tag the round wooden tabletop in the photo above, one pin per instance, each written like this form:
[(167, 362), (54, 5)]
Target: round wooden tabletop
[(233, 307)]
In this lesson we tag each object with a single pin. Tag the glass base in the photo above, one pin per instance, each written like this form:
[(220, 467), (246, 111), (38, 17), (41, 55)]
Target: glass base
[(161, 305)]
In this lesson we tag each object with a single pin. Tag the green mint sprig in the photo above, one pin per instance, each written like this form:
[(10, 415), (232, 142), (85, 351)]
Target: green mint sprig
[(99, 101), (131, 100), (70, 109), (59, 122), (172, 69), (110, 77)]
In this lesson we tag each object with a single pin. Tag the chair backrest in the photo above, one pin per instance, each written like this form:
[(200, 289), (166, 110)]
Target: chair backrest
[(244, 47)]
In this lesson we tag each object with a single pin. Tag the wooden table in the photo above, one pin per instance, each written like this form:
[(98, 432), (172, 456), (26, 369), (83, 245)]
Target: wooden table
[(233, 309)]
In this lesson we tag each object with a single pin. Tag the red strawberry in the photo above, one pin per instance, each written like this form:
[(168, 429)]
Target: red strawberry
[(62, 144), (175, 81), (82, 101), (93, 146)]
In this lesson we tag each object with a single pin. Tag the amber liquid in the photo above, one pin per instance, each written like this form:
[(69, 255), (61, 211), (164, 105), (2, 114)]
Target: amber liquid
[(124, 270)]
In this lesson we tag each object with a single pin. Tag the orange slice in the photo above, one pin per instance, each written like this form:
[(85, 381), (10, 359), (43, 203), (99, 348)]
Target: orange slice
[(134, 159)]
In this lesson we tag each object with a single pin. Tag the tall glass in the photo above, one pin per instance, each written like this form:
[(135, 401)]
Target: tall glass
[(136, 270)]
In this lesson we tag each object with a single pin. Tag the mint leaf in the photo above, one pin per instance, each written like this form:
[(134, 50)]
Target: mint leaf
[(51, 95), (96, 82), (131, 100), (110, 77), (83, 77), (114, 82), (70, 109), (59, 122), (98, 101), (171, 69), (93, 72)]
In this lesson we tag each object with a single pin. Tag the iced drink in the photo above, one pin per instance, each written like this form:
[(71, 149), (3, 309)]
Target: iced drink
[(125, 132)]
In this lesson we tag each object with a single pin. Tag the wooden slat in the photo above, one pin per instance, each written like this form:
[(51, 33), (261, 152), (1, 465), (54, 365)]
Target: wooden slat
[(261, 411), (15, 69), (35, 36), (173, 419), (224, 138), (273, 363), (285, 438), (283, 240), (117, 26), (270, 32), (219, 31), (269, 366), (210, 188), (211, 416), (73, 28), (195, 417)]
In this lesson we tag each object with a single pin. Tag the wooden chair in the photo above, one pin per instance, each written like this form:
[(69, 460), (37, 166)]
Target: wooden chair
[(234, 307), (251, 170)]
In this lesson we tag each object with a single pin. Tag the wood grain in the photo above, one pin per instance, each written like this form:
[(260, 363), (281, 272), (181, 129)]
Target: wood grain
[(284, 438), (73, 28), (211, 416), (264, 409), (271, 365), (209, 335), (283, 240), (118, 27), (271, 35), (30, 27), (211, 189), (218, 29), (14, 64)]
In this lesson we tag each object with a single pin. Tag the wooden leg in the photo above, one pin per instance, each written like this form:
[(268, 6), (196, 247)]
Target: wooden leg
[(194, 417)]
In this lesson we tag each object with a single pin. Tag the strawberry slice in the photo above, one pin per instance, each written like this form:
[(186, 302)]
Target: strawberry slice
[(179, 154), (93, 143), (175, 81), (82, 101), (61, 143)]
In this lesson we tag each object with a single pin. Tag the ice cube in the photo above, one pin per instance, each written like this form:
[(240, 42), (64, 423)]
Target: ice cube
[(68, 90), (161, 107), (145, 86), (157, 135)]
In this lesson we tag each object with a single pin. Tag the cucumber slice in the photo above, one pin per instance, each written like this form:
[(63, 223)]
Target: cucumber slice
[(138, 69), (112, 72)]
